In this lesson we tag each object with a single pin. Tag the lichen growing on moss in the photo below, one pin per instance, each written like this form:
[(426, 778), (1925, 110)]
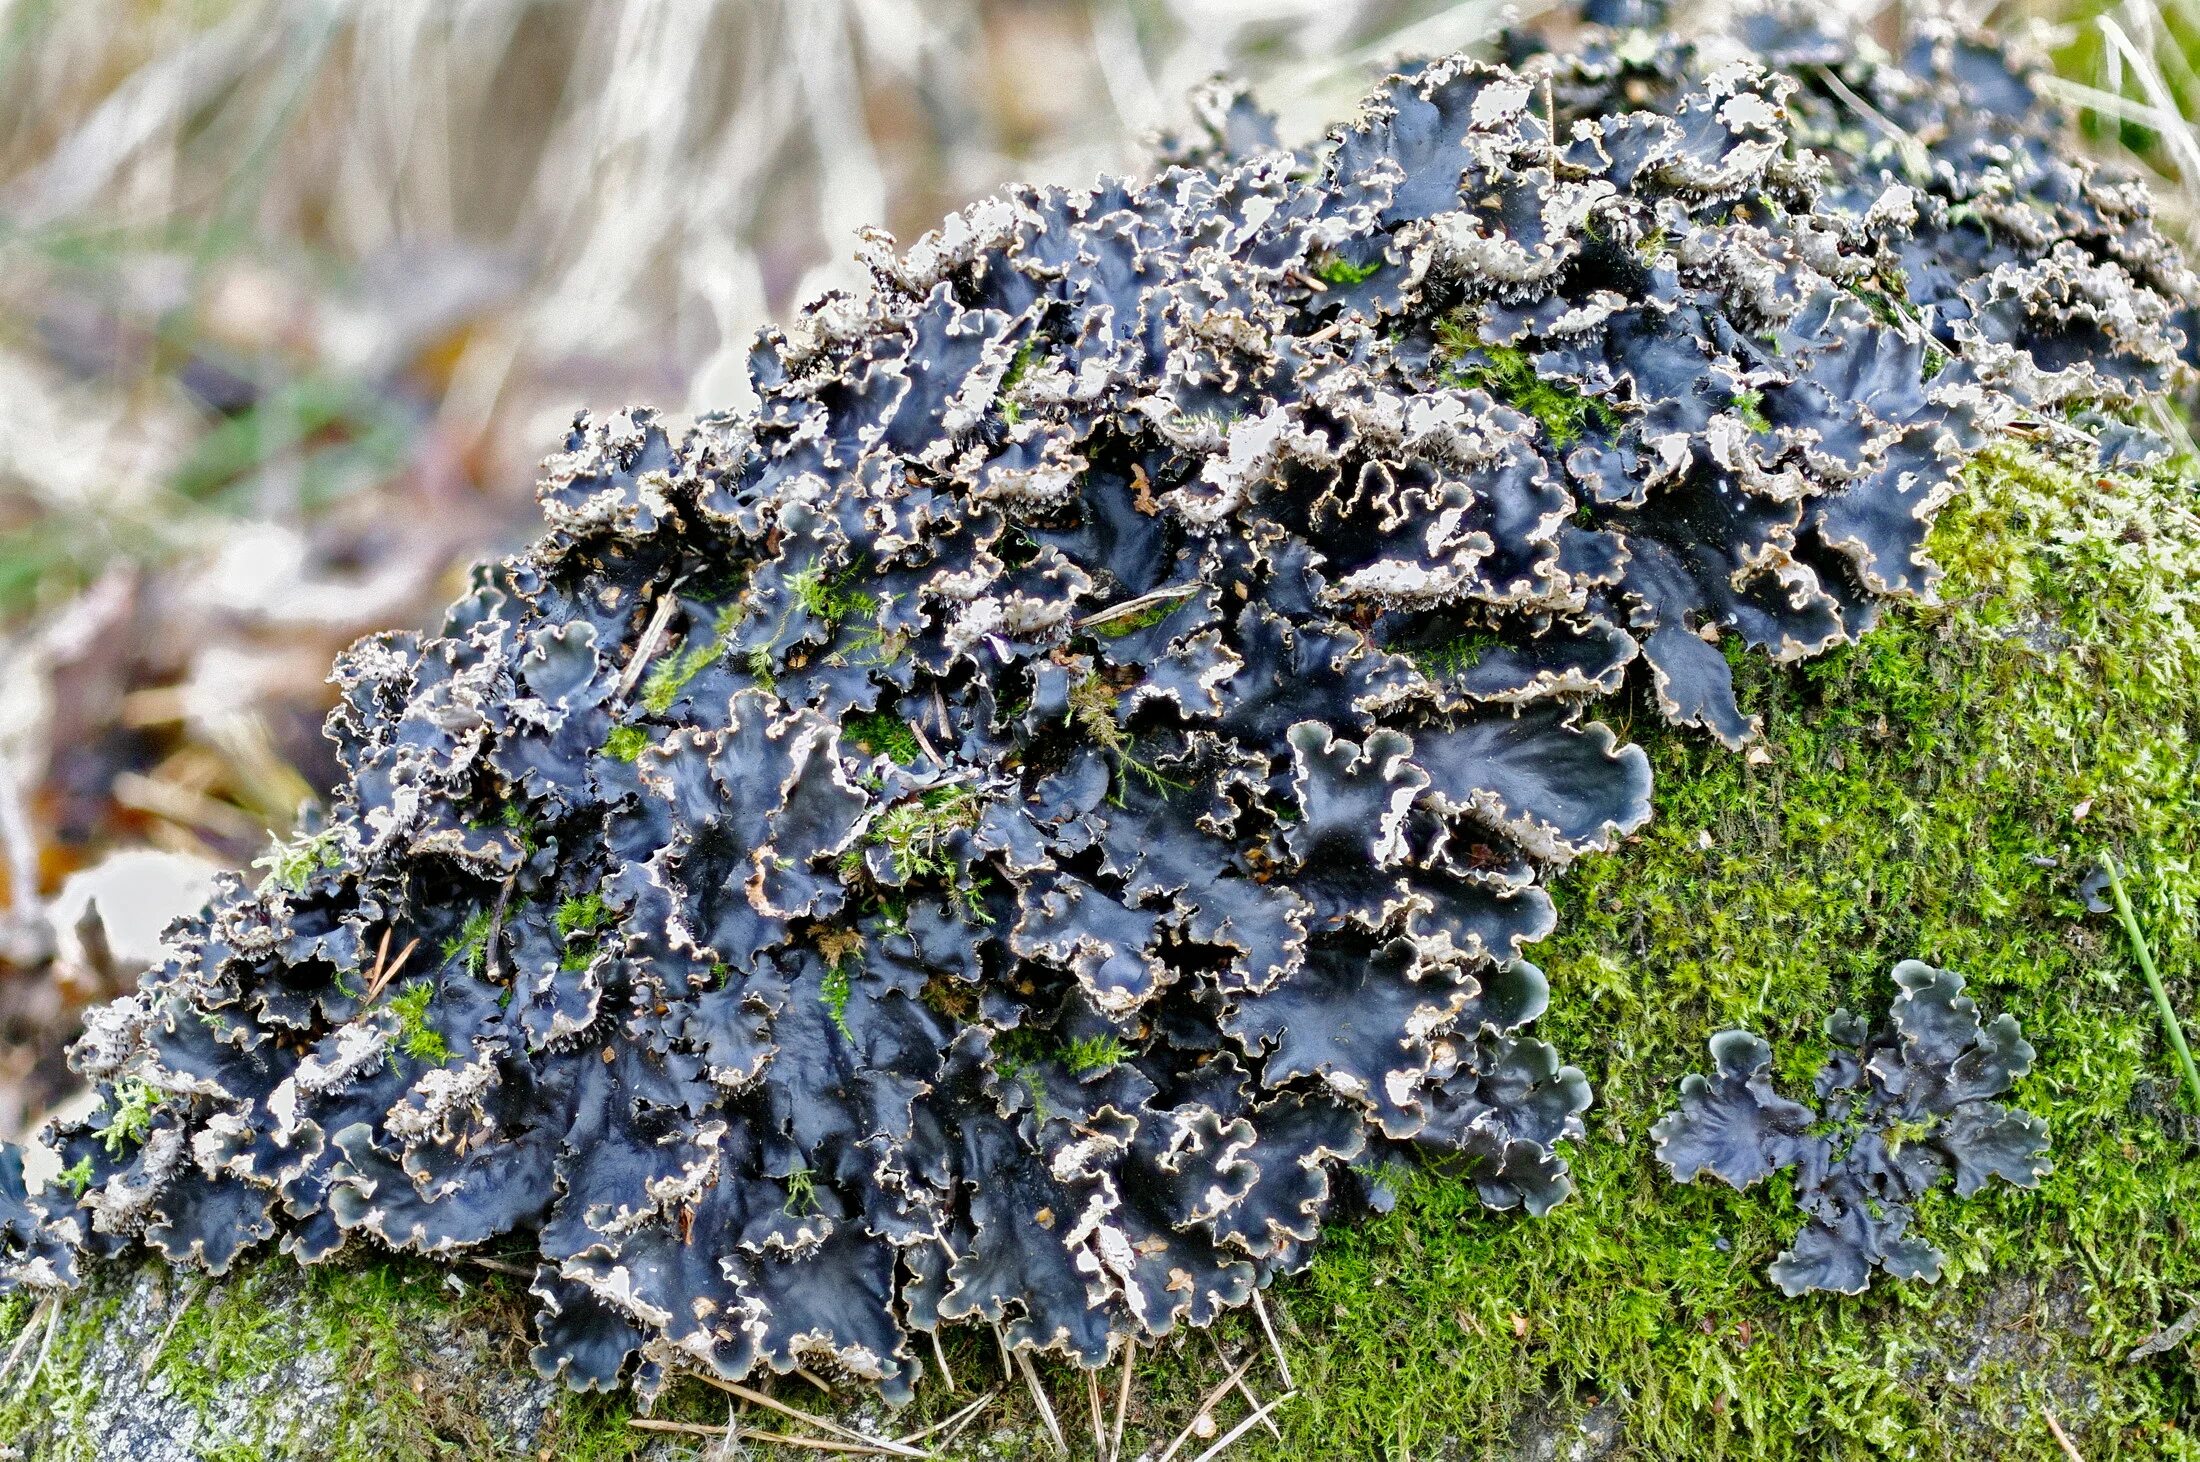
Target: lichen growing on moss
[(1299, 916)]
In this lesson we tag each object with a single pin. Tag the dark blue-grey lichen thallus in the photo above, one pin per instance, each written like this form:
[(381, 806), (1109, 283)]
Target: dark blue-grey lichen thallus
[(1901, 1109)]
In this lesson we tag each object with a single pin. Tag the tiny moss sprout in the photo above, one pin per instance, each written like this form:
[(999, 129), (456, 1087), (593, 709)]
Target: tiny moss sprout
[(132, 1101), (289, 865), (418, 1039)]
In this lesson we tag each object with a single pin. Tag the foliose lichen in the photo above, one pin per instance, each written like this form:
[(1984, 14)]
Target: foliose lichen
[(1237, 553), (1903, 1108)]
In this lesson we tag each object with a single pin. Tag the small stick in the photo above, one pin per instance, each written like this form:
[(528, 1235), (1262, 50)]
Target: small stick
[(383, 979), (1204, 1407), (1046, 1407), (1139, 605), (1283, 1366), (939, 1353), (1008, 1369), (813, 1378), (501, 1266), (45, 1347), (2145, 956), (2062, 1438), (644, 651), (30, 1328), (1242, 1428), (1123, 1399), (1099, 1427), (1244, 1389), (750, 1434), (758, 1398), (960, 1416), (152, 1356)]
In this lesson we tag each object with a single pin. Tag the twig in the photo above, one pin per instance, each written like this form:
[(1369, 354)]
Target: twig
[(1140, 605), (1099, 1426), (1123, 1400), (651, 638), (939, 1353), (1205, 1406), (383, 977), (1260, 1415), (1046, 1407), (1244, 1389), (2145, 956), (1283, 1366), (152, 1355), (956, 1420), (1008, 1368), (814, 1379), (758, 1398), (501, 1266), (751, 1434), (2062, 1438), (30, 1328), (45, 1347)]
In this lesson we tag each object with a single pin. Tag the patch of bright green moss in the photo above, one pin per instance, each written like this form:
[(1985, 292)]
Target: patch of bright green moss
[(1508, 374), (415, 1037)]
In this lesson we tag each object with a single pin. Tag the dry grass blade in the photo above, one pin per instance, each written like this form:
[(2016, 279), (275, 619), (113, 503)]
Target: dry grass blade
[(1261, 1414), (831, 1428), (652, 637), (2176, 134), (1123, 1399), (45, 1348), (1283, 1365), (1244, 1388), (939, 1354), (1206, 1405), (751, 1434), (2062, 1438), (1046, 1407), (30, 1328), (382, 978), (951, 1423), (1099, 1425)]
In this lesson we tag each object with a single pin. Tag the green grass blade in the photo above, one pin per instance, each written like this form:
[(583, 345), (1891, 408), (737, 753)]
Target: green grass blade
[(2145, 956)]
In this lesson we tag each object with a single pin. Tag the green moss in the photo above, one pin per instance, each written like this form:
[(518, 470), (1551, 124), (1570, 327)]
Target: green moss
[(1750, 407), (1341, 273), (671, 674), (1019, 366), (418, 1039), (1936, 791), (471, 942), (625, 743), (1094, 1053), (1454, 656), (880, 733), (290, 864), (134, 1102), (833, 992), (1508, 374), (916, 832)]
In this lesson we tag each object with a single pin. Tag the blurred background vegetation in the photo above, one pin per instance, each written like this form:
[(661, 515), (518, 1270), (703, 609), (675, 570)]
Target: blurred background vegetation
[(295, 293)]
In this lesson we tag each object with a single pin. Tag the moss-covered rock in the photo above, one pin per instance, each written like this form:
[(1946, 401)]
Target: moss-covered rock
[(1937, 791)]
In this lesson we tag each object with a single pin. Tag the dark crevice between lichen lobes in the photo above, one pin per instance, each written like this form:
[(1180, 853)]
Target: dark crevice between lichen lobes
[(1026, 824)]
